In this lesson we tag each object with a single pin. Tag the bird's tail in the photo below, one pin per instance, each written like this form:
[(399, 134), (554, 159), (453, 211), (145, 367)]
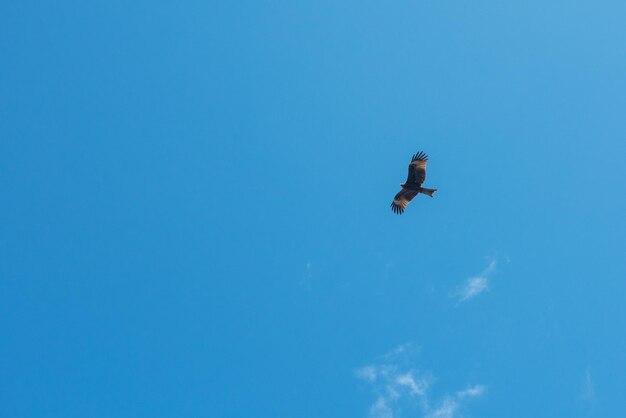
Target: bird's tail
[(429, 192)]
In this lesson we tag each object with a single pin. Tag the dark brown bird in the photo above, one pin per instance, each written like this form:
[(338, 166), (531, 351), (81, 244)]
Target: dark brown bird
[(413, 185)]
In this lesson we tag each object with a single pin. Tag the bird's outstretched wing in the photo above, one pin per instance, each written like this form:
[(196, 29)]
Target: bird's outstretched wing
[(401, 200), (417, 168)]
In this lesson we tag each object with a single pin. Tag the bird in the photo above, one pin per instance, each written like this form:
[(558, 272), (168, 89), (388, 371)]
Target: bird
[(413, 185)]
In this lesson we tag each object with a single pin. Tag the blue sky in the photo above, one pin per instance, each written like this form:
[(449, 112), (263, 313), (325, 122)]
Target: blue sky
[(195, 217)]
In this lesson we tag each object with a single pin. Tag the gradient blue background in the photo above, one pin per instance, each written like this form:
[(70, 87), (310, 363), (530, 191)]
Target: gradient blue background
[(195, 205)]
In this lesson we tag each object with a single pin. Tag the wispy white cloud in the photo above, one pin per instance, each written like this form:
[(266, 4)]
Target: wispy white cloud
[(450, 405), (476, 285), (471, 392), (306, 279), (588, 392), (415, 387), (380, 409), (402, 348), (473, 287), (368, 373), (447, 409), (397, 383)]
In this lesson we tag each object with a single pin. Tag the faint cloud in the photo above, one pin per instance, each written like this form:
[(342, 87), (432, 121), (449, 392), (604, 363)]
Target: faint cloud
[(476, 285), (397, 385), (306, 280), (402, 348), (415, 387), (473, 287), (447, 409), (588, 392), (471, 392), (380, 409), (368, 373)]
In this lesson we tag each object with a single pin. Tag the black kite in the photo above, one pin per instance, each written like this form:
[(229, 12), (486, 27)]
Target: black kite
[(413, 185)]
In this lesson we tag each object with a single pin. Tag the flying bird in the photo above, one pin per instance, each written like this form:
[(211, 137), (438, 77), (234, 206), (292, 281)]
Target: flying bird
[(413, 185)]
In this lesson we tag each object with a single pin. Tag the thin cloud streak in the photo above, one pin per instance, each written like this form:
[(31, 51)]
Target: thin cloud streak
[(380, 409), (398, 385), (588, 392), (416, 388), (475, 285), (450, 405), (471, 392), (447, 409), (472, 288), (368, 373)]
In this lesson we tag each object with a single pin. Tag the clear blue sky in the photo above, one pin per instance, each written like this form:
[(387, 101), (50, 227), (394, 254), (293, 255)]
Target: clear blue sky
[(195, 210)]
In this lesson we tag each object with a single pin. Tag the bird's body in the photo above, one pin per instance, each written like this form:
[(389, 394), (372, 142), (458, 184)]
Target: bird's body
[(413, 185)]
